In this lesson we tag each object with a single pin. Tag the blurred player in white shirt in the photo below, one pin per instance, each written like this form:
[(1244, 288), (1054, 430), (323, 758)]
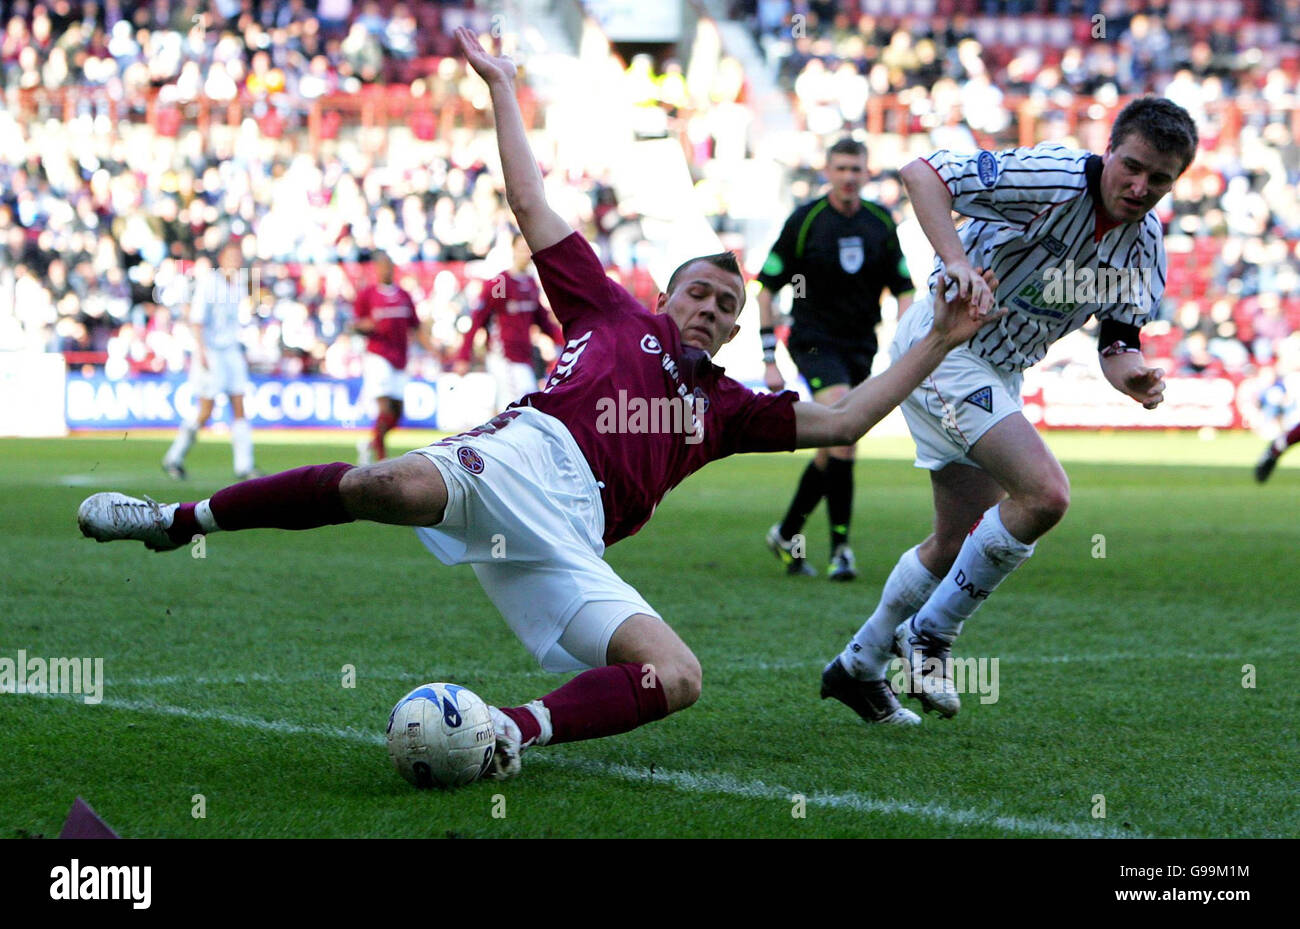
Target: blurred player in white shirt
[(218, 366)]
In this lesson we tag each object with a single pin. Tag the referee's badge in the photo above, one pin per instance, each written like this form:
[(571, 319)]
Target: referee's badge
[(852, 254)]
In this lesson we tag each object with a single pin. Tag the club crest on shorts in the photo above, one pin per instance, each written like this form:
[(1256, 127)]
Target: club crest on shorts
[(469, 459), (851, 254), (987, 167), (982, 398)]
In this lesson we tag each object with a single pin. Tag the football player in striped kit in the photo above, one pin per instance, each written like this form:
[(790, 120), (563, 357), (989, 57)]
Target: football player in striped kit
[(218, 365), (1068, 235)]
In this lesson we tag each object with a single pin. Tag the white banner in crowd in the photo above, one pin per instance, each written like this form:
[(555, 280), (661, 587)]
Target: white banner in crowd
[(31, 394)]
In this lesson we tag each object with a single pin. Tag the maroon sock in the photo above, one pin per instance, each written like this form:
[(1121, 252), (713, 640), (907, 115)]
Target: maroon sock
[(597, 703), (304, 498), (528, 725), (1293, 436)]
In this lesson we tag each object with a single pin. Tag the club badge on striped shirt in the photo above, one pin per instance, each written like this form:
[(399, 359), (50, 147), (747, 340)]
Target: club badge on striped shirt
[(982, 398)]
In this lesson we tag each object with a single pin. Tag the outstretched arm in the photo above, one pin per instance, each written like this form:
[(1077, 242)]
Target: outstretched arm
[(540, 225), (818, 426)]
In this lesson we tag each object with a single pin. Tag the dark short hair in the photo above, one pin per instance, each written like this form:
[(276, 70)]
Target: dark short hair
[(724, 260), (1163, 123), (847, 146)]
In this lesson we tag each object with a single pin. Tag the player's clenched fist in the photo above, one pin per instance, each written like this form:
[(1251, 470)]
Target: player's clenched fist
[(1146, 386)]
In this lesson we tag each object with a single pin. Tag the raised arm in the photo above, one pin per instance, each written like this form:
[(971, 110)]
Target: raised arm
[(540, 225), (818, 426)]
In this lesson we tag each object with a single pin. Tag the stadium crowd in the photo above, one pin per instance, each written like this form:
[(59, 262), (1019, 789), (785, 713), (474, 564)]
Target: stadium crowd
[(100, 217)]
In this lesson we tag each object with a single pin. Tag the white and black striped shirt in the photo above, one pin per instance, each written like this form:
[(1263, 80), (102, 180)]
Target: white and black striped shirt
[(1034, 217)]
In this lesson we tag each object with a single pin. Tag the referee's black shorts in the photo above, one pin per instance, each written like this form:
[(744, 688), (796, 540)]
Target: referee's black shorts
[(825, 362)]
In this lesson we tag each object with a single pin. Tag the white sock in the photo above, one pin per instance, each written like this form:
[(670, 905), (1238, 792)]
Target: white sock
[(906, 590), (543, 716), (180, 447), (987, 556), (203, 515), (241, 440)]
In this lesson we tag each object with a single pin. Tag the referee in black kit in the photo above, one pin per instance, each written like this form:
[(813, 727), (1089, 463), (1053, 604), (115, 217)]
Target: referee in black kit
[(838, 253)]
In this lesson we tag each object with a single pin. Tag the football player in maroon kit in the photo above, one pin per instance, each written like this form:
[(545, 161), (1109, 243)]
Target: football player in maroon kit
[(532, 498), (386, 313), (511, 306)]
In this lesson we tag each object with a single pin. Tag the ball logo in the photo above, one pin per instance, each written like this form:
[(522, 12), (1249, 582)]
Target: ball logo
[(469, 459), (650, 345), (701, 401)]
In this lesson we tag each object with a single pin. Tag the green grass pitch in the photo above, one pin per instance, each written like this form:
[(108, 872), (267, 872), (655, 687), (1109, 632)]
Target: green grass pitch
[(1119, 677)]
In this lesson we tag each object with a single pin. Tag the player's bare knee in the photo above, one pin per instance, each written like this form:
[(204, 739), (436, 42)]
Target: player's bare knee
[(1055, 500), (682, 681), (395, 491), (1048, 504)]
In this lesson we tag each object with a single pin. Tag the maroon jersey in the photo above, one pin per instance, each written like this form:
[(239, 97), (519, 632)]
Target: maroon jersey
[(394, 314), (645, 409), (513, 306)]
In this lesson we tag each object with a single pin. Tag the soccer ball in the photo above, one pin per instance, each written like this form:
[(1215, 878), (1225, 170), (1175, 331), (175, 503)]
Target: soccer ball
[(441, 735)]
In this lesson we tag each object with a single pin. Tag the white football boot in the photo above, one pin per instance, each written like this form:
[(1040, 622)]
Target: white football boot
[(108, 517), (507, 758), (929, 665)]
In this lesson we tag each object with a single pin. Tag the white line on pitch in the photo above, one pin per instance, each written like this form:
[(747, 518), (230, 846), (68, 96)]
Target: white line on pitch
[(678, 780)]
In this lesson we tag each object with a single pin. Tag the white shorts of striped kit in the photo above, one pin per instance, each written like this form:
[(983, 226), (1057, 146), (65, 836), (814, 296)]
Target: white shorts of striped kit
[(964, 398)]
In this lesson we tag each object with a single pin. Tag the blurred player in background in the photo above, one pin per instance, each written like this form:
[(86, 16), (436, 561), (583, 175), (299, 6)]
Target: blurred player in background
[(839, 253), (532, 498), (386, 313), (1268, 461), (997, 487), (509, 309), (218, 366)]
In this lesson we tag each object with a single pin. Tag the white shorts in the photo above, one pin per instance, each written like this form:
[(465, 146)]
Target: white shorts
[(525, 511), (964, 398), (514, 378), (226, 373), (380, 379)]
